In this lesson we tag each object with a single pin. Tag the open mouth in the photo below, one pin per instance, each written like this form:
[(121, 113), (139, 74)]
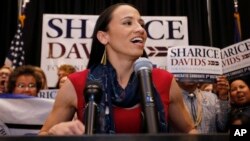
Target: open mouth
[(137, 40)]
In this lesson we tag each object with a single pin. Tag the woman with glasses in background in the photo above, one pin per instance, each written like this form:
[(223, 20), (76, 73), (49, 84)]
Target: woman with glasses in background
[(24, 80)]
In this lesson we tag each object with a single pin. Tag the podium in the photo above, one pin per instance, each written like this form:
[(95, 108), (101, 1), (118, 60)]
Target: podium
[(122, 137)]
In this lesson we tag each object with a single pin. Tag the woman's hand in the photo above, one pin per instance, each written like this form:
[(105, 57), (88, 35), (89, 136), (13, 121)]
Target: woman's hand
[(74, 127), (222, 87)]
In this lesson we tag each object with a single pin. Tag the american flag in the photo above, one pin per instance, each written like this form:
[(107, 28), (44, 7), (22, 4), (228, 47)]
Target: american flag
[(15, 56)]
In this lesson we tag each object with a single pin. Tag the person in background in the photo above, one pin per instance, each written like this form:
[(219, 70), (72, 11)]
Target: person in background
[(64, 70), (24, 80), (209, 111), (118, 41), (43, 77), (4, 78), (208, 87), (240, 97)]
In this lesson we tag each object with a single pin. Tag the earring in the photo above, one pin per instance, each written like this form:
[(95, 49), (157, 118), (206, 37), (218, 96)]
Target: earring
[(104, 57)]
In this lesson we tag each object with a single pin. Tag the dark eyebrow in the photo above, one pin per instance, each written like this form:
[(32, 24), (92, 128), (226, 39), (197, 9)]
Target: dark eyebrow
[(130, 17)]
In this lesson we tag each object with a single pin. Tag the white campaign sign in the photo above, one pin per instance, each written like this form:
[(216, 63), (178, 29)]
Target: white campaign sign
[(199, 63), (66, 39), (236, 59), (204, 63)]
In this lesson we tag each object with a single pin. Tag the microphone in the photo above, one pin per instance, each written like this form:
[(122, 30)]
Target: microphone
[(143, 68), (92, 95)]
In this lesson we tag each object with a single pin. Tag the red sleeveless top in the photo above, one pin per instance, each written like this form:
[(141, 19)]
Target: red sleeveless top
[(126, 120)]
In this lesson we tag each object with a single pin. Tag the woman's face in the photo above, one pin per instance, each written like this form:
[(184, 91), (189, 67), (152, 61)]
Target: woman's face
[(126, 35), (240, 93), (207, 87), (4, 77), (26, 84)]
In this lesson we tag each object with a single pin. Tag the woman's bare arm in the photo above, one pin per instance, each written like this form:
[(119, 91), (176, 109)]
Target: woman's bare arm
[(59, 121)]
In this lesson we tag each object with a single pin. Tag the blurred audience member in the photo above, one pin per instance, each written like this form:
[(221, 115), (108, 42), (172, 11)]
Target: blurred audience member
[(4, 78), (240, 97), (43, 77), (24, 80), (209, 112), (64, 70), (208, 87)]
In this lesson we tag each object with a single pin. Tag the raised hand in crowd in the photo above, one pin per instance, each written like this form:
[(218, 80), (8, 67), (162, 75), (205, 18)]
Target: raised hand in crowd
[(222, 87)]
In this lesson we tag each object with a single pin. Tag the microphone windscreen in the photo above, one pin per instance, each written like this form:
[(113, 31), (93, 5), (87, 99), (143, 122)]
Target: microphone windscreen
[(93, 89), (142, 63)]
